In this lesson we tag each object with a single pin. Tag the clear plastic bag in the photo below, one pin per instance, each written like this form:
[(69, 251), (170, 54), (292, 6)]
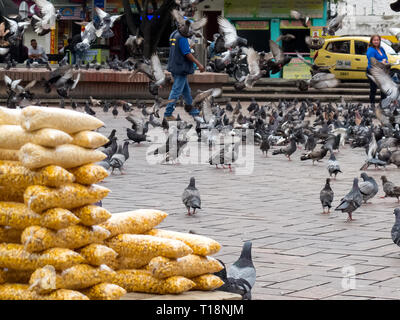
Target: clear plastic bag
[(202, 246), (46, 279), (14, 137), (65, 294), (89, 174), (144, 246), (98, 254), (14, 174), (143, 281), (105, 291), (124, 262), (91, 215), (89, 139), (207, 282), (69, 196), (14, 256), (67, 156), (8, 154), (17, 291), (14, 276), (10, 235), (10, 116), (58, 218), (135, 222), (34, 118), (17, 215), (36, 239), (189, 266)]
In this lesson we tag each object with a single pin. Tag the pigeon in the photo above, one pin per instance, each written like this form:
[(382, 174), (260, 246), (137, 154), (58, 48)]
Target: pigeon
[(395, 6), (106, 23), (186, 27), (326, 196), (301, 17), (314, 43), (368, 187), (89, 110), (320, 80), (351, 202), (229, 33), (333, 166), (17, 29), (191, 197), (237, 286), (119, 158), (244, 268), (288, 150), (47, 22), (390, 189), (264, 146), (135, 44), (334, 25), (136, 137), (110, 138), (115, 111), (396, 227), (316, 155), (255, 74), (286, 37), (88, 36)]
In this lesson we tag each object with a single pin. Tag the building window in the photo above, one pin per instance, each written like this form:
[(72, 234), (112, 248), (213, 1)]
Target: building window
[(339, 46), (360, 47)]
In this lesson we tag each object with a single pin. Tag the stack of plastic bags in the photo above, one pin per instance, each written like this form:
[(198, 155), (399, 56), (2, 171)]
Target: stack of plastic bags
[(56, 244), (47, 191)]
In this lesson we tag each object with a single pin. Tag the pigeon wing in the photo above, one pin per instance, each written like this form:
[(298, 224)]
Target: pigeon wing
[(199, 23), (101, 13), (366, 188), (253, 59), (276, 51), (228, 31), (158, 72)]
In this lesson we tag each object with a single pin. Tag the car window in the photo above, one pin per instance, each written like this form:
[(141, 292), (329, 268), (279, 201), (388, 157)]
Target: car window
[(388, 49), (339, 46), (360, 47)]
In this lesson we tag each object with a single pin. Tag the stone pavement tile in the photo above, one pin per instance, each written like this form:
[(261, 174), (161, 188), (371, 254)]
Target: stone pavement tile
[(348, 297), (381, 275), (302, 251), (318, 292), (374, 291), (297, 284), (284, 275)]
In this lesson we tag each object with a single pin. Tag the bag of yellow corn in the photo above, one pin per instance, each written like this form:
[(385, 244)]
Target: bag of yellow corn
[(14, 137), (36, 239), (8, 154), (207, 282), (91, 215), (10, 235), (126, 262), (143, 281), (67, 156), (202, 246), (59, 258), (34, 118), (69, 196), (136, 222), (189, 266), (65, 294), (89, 139), (46, 279), (14, 256), (17, 291), (104, 291), (15, 276), (17, 215), (10, 116), (98, 254), (89, 173), (11, 194), (144, 246), (58, 218), (13, 173)]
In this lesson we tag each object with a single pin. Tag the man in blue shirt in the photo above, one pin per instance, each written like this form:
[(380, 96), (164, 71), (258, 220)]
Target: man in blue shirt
[(180, 64)]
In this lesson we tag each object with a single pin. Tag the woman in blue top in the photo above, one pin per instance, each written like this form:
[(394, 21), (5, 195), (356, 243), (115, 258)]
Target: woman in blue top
[(375, 51)]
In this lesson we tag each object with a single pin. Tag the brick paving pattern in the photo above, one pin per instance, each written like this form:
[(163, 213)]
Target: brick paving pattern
[(298, 252)]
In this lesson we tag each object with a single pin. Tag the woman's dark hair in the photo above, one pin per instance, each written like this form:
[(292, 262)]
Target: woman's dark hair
[(372, 38)]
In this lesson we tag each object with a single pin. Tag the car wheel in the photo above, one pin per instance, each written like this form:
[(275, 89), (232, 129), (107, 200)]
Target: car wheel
[(395, 75)]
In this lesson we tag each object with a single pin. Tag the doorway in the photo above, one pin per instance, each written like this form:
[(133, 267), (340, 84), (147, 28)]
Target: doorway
[(298, 44), (212, 24)]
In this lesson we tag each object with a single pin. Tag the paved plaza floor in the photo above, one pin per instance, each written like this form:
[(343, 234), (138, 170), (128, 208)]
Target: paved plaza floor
[(299, 253)]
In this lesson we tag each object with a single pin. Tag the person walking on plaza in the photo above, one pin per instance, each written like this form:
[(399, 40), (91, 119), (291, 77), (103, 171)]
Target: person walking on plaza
[(375, 51), (181, 63)]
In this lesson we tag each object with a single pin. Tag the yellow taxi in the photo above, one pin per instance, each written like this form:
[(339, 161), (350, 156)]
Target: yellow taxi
[(348, 57)]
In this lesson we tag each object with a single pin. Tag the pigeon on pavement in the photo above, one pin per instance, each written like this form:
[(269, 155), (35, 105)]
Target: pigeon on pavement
[(351, 201), (326, 196)]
